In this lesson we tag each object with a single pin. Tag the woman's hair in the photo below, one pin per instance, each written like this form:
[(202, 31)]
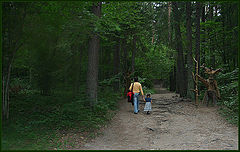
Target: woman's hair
[(148, 95), (136, 79)]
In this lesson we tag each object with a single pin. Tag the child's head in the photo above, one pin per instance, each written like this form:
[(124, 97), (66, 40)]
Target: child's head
[(148, 95)]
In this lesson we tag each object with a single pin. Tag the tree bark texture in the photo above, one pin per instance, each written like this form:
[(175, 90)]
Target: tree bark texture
[(203, 32), (190, 84), (169, 23), (224, 37), (5, 92), (125, 54), (133, 53), (173, 79), (197, 39), (180, 74), (11, 44), (93, 57), (198, 11), (116, 62), (126, 70), (212, 49), (117, 57), (77, 69)]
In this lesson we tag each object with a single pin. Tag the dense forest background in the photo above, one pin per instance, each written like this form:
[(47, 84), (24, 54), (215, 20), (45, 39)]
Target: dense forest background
[(66, 64)]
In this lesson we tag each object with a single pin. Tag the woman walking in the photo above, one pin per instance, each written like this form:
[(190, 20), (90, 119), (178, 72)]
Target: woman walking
[(137, 88)]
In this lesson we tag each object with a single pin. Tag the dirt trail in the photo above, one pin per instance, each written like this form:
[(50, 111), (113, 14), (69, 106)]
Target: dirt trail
[(174, 124)]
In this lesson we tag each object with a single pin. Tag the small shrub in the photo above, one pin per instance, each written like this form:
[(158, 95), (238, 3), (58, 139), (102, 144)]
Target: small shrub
[(228, 87)]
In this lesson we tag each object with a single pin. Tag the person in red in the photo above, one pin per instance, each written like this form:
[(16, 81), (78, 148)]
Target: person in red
[(130, 95)]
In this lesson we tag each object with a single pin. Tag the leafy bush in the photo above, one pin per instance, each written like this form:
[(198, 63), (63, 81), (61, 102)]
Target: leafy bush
[(146, 82), (111, 80), (156, 63), (228, 87), (18, 86), (147, 90)]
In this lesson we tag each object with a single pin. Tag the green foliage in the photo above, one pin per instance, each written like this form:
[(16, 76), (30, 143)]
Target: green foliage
[(229, 95), (110, 81), (155, 64), (35, 116), (147, 90), (20, 82)]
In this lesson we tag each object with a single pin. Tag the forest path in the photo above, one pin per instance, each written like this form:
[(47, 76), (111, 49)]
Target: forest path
[(174, 124)]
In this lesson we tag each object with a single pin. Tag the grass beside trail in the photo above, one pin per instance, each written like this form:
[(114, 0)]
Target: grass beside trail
[(36, 121)]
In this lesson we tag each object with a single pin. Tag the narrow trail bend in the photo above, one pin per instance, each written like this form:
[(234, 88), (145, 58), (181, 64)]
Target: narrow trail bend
[(174, 124)]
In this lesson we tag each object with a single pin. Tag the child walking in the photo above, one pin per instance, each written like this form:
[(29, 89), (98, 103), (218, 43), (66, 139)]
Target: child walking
[(148, 106)]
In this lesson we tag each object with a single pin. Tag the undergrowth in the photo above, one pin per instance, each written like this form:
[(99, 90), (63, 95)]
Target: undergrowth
[(229, 103), (35, 120)]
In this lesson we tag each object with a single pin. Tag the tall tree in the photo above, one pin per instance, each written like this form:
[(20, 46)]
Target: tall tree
[(197, 39), (117, 56), (190, 84), (169, 23), (116, 61), (212, 48), (172, 74), (93, 55), (172, 79), (180, 71), (77, 57), (14, 15), (134, 53), (203, 32)]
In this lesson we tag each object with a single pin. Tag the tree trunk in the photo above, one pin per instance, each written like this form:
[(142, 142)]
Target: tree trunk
[(6, 79), (212, 56), (190, 84), (116, 62), (173, 79), (197, 69), (180, 78), (224, 37), (77, 84), (3, 98), (172, 74), (153, 33), (126, 69), (93, 55), (5, 93), (117, 57), (198, 10), (30, 75), (203, 41), (77, 69), (11, 43), (6, 72), (169, 23), (125, 60), (133, 53)]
